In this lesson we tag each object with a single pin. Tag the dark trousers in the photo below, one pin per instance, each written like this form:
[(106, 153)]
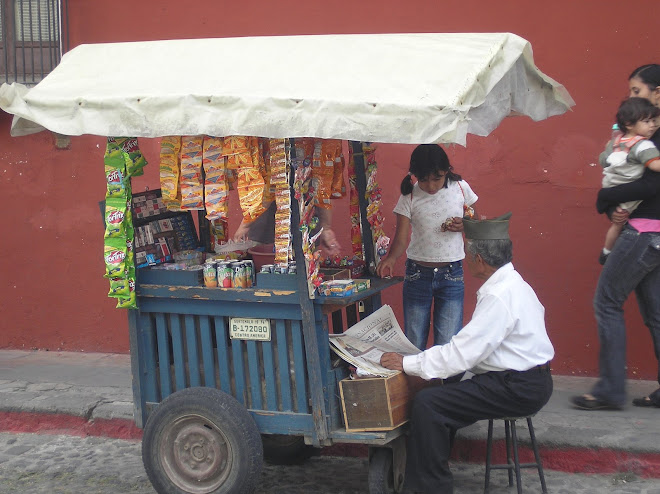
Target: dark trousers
[(439, 411)]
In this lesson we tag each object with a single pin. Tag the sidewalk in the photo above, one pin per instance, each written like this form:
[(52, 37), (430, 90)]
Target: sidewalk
[(90, 394)]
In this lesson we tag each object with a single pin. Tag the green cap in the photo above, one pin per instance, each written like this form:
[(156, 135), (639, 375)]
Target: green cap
[(494, 229)]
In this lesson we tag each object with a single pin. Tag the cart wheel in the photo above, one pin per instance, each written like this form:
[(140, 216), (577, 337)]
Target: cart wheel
[(280, 449), (381, 472), (202, 441)]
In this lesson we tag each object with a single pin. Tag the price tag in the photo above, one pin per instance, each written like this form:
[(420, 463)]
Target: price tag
[(249, 329)]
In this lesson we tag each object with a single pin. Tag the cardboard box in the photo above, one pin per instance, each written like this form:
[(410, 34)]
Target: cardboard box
[(377, 403), (330, 274)]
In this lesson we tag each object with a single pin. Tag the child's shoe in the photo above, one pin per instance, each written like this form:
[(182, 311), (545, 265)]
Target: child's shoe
[(602, 258)]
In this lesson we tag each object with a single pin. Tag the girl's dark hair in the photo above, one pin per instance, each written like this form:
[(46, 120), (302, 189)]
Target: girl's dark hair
[(633, 110), (649, 74), (427, 160)]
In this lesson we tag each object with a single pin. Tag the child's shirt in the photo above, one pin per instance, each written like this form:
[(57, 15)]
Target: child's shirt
[(624, 159), (427, 213)]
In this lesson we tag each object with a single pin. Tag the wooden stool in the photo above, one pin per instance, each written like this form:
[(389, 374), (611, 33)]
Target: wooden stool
[(513, 465)]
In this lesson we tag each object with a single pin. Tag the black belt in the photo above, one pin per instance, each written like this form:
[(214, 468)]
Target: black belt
[(542, 368)]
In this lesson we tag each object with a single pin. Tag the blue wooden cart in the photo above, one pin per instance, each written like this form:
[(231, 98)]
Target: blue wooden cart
[(211, 405), (204, 399)]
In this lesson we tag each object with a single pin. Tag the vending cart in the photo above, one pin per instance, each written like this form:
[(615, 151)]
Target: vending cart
[(222, 376)]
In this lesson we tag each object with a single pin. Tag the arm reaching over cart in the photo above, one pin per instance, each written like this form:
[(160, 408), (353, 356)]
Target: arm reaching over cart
[(262, 230)]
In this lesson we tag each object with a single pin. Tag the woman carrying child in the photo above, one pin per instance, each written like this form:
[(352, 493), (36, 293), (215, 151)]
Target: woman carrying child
[(429, 222), (627, 154), (633, 265)]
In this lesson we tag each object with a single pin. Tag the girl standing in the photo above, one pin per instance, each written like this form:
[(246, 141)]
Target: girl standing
[(432, 209)]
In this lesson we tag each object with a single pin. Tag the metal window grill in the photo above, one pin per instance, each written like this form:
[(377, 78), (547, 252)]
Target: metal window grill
[(33, 38)]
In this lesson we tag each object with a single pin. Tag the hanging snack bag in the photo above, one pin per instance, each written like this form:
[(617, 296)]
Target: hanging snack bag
[(115, 170), (170, 153), (114, 255), (216, 189), (192, 189), (136, 161), (129, 302), (115, 218)]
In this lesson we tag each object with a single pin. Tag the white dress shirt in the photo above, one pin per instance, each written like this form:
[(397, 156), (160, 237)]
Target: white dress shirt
[(507, 332)]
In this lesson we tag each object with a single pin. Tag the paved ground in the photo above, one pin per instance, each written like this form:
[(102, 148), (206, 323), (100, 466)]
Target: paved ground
[(61, 464), (81, 394)]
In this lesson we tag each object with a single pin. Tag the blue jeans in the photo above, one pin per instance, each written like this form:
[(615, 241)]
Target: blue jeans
[(441, 287), (634, 264)]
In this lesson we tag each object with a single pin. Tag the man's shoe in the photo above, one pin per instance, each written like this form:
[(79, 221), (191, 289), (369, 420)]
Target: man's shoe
[(584, 402)]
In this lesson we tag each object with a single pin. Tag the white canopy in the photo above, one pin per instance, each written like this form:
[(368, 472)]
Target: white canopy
[(399, 88)]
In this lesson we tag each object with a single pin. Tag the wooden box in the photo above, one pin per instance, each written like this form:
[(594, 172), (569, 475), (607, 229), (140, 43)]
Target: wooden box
[(377, 403)]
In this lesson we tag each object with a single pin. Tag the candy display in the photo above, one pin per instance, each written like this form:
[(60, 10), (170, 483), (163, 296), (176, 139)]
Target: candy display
[(354, 209), (122, 160), (326, 158), (170, 164), (192, 188), (198, 173), (216, 188), (279, 168), (374, 203)]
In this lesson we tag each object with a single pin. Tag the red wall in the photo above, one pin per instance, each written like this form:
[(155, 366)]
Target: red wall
[(54, 295)]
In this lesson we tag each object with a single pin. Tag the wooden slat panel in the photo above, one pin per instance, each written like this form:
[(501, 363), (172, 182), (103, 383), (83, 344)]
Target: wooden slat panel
[(223, 354), (351, 315), (163, 355), (299, 367), (239, 373), (193, 353), (269, 374), (283, 366), (149, 364), (337, 322), (177, 347), (207, 351), (255, 376)]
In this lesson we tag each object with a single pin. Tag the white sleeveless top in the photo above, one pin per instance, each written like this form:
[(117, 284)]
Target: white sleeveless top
[(427, 213)]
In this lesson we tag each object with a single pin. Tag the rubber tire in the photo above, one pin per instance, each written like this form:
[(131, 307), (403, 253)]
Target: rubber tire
[(280, 449), (229, 439), (381, 472)]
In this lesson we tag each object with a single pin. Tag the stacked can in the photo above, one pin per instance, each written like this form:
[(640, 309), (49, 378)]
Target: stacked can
[(238, 279), (210, 274), (268, 268), (225, 274), (249, 273)]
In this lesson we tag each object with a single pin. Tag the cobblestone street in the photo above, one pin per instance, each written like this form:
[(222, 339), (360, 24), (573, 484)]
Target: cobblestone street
[(58, 464)]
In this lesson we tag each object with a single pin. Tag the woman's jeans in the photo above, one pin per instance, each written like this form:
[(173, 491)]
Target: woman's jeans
[(441, 288), (634, 264)]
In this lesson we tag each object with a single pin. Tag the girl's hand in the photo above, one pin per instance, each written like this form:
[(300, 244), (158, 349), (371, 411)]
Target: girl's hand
[(456, 225), (385, 267)]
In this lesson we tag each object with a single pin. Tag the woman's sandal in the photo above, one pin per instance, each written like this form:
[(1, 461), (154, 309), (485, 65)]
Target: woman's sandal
[(644, 402)]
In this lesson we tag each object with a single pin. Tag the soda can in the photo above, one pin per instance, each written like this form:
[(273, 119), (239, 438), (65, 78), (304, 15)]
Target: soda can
[(249, 273), (267, 268), (281, 269), (210, 274), (238, 275), (225, 275), (293, 268)]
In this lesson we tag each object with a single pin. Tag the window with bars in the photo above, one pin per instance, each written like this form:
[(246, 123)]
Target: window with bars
[(32, 39)]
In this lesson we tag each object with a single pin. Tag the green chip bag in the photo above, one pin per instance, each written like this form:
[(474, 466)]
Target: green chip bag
[(116, 212), (114, 255)]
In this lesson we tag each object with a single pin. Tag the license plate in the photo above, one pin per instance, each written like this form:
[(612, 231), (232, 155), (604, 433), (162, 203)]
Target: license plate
[(249, 329)]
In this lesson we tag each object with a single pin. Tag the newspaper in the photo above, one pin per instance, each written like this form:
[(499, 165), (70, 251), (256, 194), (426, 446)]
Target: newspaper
[(364, 343)]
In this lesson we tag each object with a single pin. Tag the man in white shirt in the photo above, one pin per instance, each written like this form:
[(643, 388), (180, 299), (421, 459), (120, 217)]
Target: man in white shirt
[(505, 345)]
